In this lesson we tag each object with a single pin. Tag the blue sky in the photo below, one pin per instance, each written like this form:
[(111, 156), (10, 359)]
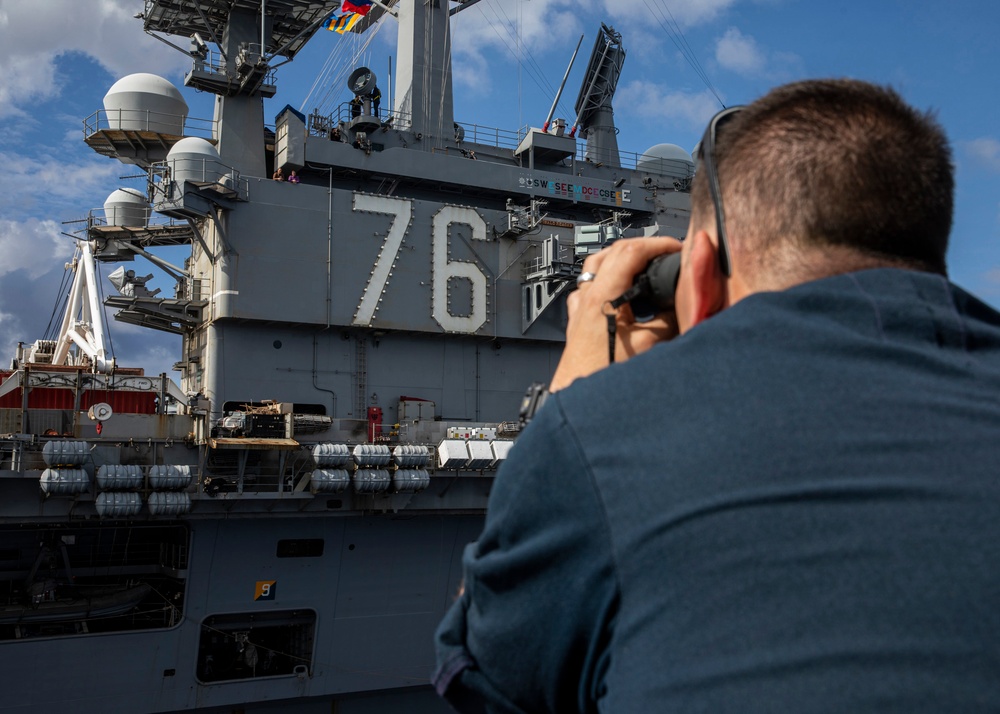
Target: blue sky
[(59, 57)]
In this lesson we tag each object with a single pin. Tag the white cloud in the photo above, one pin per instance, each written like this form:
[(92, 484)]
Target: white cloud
[(543, 32), (985, 150), (42, 182), (34, 255), (522, 29), (32, 246), (155, 352), (652, 102), (23, 79), (472, 73), (9, 328), (34, 34), (686, 14), (650, 27), (740, 53), (533, 26), (743, 55)]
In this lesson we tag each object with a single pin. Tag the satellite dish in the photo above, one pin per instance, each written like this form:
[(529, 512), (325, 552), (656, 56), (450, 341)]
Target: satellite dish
[(100, 412)]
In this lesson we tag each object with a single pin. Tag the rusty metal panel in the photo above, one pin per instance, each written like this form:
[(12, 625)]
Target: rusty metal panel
[(50, 422), (250, 443), (10, 421)]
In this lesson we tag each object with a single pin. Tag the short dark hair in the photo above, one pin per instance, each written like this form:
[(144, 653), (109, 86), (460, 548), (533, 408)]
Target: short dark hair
[(836, 163)]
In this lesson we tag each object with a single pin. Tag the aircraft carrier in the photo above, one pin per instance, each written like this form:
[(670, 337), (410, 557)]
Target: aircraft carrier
[(280, 526)]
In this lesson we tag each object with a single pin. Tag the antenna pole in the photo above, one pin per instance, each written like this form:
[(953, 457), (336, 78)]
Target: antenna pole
[(391, 10), (563, 84)]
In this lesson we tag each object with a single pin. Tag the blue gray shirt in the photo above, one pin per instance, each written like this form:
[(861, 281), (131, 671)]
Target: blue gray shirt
[(794, 507)]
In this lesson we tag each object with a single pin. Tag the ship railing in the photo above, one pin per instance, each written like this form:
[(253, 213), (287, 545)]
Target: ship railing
[(674, 168), (144, 120), (562, 264), (193, 289), (324, 124), (202, 171), (210, 61), (490, 136), (472, 133), (227, 472), (131, 217)]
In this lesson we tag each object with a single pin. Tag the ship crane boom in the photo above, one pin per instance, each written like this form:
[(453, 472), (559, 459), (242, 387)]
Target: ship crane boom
[(83, 321)]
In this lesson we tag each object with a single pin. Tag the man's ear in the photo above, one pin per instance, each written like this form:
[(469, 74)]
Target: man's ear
[(702, 287)]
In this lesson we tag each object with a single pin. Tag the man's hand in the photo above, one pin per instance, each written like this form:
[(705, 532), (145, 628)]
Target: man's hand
[(615, 268)]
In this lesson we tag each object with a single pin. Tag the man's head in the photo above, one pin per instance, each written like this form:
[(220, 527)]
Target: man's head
[(823, 177)]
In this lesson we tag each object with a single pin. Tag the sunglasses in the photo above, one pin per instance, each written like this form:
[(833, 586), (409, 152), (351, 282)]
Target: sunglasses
[(706, 154)]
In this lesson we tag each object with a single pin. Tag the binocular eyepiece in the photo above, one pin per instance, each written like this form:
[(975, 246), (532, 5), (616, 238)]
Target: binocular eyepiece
[(655, 286)]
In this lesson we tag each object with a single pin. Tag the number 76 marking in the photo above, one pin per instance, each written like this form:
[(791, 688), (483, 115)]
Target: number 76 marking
[(442, 267)]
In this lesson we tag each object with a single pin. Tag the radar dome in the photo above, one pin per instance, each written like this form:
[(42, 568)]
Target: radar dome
[(145, 102), (126, 207), (666, 160), (195, 159)]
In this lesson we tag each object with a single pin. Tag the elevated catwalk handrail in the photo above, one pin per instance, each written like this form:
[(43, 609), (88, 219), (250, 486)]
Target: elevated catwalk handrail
[(200, 170), (145, 120), (322, 124)]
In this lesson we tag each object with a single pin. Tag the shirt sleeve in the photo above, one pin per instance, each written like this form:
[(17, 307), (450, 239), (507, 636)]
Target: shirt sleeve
[(531, 631)]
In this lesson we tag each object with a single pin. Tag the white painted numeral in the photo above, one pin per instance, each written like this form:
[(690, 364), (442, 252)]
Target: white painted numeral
[(444, 269), (402, 211)]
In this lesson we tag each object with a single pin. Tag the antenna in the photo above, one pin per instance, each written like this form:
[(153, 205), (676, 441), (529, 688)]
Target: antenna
[(572, 59), (594, 113), (388, 8)]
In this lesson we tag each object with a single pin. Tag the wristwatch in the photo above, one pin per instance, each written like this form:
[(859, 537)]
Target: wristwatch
[(533, 400)]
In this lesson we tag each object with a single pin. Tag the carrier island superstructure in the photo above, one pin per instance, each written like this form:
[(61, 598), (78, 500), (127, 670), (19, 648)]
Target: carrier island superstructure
[(281, 528)]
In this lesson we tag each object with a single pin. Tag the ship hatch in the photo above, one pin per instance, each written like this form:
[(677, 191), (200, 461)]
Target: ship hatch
[(246, 645), (84, 579)]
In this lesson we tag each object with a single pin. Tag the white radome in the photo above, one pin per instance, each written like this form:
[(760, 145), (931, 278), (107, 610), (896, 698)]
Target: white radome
[(145, 102)]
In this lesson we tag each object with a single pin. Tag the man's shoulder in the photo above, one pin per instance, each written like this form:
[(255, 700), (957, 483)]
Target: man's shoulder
[(855, 303), (770, 340)]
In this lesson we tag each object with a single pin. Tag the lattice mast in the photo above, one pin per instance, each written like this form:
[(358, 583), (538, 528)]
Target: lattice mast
[(251, 36)]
